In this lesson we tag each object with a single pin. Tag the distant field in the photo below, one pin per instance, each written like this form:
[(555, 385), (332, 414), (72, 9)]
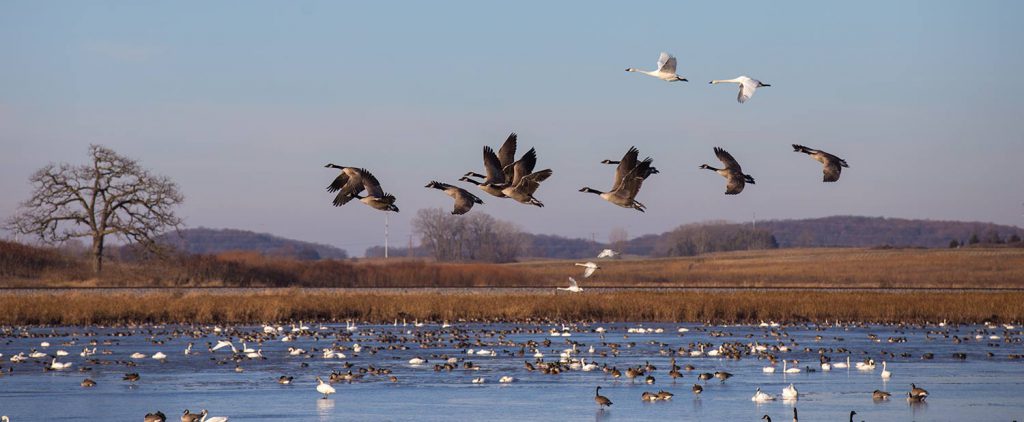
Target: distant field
[(806, 268), (818, 268)]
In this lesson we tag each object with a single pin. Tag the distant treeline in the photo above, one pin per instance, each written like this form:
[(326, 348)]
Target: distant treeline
[(211, 241)]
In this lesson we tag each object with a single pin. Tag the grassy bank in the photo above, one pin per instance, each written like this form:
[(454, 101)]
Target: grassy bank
[(22, 266), (78, 308)]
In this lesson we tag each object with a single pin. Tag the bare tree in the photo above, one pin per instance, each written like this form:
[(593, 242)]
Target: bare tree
[(474, 237), (112, 195), (618, 238)]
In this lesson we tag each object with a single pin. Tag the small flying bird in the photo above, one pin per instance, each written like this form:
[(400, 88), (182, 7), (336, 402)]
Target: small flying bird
[(732, 172), (498, 167), (375, 197), (463, 199), (832, 165), (666, 70), (348, 184), (629, 178), (589, 268), (573, 286), (524, 180), (747, 86)]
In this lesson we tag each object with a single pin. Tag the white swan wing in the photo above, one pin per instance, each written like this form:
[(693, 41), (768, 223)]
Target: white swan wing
[(747, 88), (573, 283), (666, 63), (589, 272)]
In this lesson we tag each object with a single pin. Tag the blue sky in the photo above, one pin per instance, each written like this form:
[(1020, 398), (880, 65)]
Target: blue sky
[(242, 103)]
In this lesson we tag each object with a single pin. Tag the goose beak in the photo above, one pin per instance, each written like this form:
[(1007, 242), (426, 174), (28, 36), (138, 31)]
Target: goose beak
[(766, 85)]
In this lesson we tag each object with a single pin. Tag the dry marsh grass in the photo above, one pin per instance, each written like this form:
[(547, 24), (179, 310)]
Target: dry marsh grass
[(1003, 268), (810, 268), (81, 308)]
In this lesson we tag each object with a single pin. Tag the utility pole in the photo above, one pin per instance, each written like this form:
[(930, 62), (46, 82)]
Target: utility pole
[(754, 222), (385, 235), (408, 252)]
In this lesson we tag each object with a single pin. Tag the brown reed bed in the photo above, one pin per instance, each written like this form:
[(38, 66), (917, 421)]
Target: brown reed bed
[(993, 268), (83, 308)]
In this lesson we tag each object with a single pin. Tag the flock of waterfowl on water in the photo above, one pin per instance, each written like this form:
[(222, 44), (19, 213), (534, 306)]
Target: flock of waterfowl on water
[(447, 348), (506, 177)]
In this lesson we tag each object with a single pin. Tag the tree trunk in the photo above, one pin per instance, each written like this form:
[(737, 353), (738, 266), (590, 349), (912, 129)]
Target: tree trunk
[(97, 254)]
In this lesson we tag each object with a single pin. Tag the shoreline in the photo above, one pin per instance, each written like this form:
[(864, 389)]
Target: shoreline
[(76, 308)]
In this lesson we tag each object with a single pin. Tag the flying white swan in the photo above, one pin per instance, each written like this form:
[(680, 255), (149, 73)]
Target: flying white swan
[(573, 286), (608, 253), (666, 70), (747, 86), (590, 268), (224, 343)]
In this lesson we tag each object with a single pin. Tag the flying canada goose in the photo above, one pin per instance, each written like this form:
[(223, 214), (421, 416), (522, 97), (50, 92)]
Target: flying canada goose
[(498, 168), (323, 388), (573, 286), (601, 401), (747, 86), (732, 172), (590, 268), (157, 416), (375, 197), (348, 184), (832, 165), (915, 391), (192, 417), (666, 70), (880, 395), (650, 170), (524, 180), (88, 383), (629, 177), (463, 199)]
